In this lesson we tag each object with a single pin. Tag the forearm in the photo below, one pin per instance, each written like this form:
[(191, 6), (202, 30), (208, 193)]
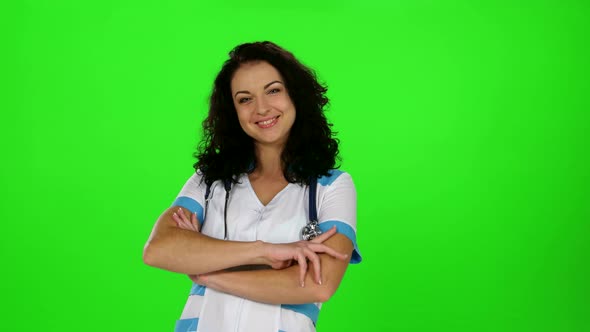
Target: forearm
[(283, 286), (269, 286), (188, 252)]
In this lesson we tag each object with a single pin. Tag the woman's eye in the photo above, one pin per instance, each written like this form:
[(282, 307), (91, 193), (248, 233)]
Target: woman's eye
[(243, 100), (273, 91)]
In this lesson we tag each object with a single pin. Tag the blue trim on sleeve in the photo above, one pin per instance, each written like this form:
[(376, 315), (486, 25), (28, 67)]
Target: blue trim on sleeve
[(198, 289), (191, 205), (308, 309), (345, 229), (328, 180), (186, 325)]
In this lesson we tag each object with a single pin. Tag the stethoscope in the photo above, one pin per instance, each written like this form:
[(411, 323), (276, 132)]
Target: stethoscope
[(310, 231)]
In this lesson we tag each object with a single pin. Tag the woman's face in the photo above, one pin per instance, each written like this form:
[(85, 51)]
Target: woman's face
[(265, 110)]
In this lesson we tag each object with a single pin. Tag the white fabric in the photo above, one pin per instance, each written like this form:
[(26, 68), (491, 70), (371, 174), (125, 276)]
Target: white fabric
[(280, 221), (219, 307), (292, 321), (193, 306)]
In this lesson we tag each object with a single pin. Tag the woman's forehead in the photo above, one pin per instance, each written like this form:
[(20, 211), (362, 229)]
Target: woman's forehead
[(254, 75)]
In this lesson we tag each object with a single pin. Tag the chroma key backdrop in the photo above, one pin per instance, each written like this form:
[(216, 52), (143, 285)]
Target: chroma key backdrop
[(464, 124)]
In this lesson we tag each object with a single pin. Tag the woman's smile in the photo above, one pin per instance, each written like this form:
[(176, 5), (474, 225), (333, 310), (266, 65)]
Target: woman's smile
[(268, 123)]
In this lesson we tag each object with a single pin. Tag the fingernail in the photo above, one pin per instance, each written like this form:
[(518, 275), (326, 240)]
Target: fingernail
[(302, 284), (320, 281), (174, 214)]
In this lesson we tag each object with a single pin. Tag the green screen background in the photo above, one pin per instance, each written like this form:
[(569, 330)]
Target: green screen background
[(464, 125)]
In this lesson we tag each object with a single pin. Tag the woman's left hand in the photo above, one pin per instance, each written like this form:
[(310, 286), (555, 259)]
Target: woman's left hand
[(184, 223)]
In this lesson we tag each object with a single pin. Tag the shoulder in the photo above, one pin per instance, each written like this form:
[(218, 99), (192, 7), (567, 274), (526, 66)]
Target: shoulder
[(194, 186), (196, 179), (336, 182), (335, 178)]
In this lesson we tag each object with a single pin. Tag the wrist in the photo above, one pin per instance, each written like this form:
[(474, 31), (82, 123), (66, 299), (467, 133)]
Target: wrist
[(261, 253)]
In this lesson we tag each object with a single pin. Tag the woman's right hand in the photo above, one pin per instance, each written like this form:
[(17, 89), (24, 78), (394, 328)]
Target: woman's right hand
[(282, 255)]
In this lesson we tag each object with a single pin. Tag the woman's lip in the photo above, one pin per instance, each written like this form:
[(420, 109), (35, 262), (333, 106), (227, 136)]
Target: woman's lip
[(267, 123)]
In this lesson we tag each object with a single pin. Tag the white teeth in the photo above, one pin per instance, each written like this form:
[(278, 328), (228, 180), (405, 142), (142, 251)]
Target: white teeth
[(267, 122)]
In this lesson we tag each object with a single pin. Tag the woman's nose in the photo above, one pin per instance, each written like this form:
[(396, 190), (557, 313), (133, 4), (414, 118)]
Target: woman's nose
[(262, 106)]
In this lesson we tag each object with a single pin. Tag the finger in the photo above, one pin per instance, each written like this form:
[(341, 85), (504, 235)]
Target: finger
[(183, 215), (185, 221), (327, 250), (302, 269), (315, 261), (326, 235), (176, 218), (189, 226), (181, 223)]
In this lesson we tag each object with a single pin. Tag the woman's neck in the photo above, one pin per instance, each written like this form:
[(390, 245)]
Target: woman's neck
[(268, 162)]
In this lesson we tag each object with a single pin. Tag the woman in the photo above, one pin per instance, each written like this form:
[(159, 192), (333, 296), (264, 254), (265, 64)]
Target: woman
[(266, 142)]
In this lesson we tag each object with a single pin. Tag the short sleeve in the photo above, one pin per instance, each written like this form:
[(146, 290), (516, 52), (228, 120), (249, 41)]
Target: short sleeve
[(337, 207), (192, 195)]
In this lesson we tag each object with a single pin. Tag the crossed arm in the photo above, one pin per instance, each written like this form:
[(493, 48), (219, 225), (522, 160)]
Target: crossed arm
[(281, 286), (177, 245)]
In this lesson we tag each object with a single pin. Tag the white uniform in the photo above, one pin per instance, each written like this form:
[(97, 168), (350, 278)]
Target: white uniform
[(280, 221)]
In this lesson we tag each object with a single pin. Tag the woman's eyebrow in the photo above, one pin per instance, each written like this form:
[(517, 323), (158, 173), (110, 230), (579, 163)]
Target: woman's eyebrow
[(266, 86), (269, 84), (243, 91)]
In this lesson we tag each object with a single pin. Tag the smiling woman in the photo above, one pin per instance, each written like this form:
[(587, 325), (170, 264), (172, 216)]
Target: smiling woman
[(267, 257)]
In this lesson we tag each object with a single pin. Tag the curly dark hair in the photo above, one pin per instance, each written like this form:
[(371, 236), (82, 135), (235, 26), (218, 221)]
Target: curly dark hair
[(227, 151)]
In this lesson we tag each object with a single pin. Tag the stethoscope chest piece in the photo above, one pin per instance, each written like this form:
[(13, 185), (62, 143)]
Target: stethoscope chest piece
[(311, 230)]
